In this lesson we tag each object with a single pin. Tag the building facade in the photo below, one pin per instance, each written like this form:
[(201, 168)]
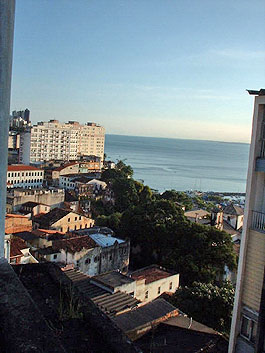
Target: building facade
[(248, 323), (24, 176), (55, 141), (17, 197)]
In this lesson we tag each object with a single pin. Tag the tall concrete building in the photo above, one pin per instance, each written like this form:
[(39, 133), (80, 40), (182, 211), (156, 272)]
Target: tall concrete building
[(55, 141), (248, 323)]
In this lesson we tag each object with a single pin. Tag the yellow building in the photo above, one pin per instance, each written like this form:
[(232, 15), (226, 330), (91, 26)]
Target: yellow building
[(248, 323), (62, 220)]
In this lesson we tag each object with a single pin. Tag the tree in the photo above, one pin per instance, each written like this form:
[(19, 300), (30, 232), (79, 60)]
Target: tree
[(200, 253), (179, 197), (112, 221), (208, 303)]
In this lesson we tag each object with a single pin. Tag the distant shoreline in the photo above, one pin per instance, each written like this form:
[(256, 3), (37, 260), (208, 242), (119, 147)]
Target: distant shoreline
[(180, 138)]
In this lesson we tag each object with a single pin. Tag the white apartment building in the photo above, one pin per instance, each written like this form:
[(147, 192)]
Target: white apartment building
[(248, 323), (24, 176), (55, 141)]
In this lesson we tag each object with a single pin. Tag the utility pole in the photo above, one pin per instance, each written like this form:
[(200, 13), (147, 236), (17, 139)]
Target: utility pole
[(7, 15)]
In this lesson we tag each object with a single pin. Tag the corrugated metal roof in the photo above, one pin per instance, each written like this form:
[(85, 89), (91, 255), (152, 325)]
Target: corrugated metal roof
[(110, 303), (104, 240), (146, 314)]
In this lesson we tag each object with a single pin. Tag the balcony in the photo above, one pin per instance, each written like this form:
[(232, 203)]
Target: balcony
[(258, 221)]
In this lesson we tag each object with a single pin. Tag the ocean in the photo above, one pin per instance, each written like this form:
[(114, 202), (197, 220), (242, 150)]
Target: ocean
[(165, 163)]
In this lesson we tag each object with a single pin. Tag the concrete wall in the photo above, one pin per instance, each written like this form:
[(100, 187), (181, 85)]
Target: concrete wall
[(115, 257), (53, 198), (7, 11), (152, 288), (249, 279)]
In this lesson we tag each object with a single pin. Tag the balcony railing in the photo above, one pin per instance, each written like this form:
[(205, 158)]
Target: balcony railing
[(258, 221)]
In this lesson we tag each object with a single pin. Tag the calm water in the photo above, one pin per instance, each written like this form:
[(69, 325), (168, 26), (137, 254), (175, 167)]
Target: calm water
[(182, 164)]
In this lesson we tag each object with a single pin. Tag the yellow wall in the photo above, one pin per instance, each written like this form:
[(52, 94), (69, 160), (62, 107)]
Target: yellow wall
[(254, 270), (63, 224)]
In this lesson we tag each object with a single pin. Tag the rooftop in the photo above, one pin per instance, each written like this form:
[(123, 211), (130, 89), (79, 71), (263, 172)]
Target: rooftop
[(33, 320), (12, 215), (47, 219), (233, 210), (105, 240), (21, 167), (32, 204), (197, 213), (150, 274), (174, 339), (74, 245), (16, 245), (112, 279), (145, 315), (261, 92), (229, 229)]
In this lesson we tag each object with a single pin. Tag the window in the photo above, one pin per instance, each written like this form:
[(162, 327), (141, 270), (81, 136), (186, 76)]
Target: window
[(69, 219), (55, 256), (110, 257), (88, 261), (80, 218), (248, 329), (95, 259), (146, 295), (170, 285), (158, 290), (75, 218)]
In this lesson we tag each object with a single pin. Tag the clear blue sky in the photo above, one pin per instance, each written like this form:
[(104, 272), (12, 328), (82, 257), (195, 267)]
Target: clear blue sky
[(170, 68)]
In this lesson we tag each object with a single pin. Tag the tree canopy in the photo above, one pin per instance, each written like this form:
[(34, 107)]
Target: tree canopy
[(159, 231), (207, 303)]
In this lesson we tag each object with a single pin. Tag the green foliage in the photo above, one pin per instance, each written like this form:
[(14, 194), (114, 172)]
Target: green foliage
[(112, 221), (160, 232), (179, 197), (207, 303)]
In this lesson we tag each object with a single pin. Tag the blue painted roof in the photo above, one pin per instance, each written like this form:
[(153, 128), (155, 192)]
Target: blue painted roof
[(105, 240)]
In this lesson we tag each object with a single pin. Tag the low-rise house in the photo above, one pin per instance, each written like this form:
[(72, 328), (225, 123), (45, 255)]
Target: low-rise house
[(115, 253), (98, 184), (92, 254), (111, 304), (82, 252), (62, 220), (115, 281), (145, 284), (24, 176), (34, 208), (234, 215), (15, 223), (83, 167), (198, 216), (152, 281), (20, 252), (17, 197)]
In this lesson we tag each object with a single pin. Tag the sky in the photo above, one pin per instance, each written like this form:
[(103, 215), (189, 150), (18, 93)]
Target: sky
[(165, 68)]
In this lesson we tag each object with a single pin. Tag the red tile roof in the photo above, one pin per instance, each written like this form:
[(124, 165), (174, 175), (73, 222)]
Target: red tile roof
[(21, 167), (150, 274), (11, 215), (65, 166), (16, 245), (74, 245)]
